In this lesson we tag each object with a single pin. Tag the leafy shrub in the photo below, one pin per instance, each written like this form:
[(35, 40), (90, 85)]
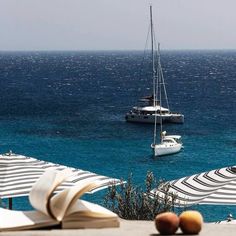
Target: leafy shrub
[(133, 203)]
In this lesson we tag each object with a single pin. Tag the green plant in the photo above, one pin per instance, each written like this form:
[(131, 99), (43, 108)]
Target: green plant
[(133, 203)]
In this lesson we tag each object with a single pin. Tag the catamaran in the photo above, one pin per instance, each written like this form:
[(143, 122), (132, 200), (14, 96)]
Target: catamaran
[(150, 111)]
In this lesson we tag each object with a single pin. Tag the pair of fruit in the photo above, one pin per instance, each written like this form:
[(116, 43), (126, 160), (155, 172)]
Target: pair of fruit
[(190, 222)]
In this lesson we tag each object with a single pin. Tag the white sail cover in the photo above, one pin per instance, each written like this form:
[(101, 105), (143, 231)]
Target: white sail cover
[(18, 173), (212, 187)]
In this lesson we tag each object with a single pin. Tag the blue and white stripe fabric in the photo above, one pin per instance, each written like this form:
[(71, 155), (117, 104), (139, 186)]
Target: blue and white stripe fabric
[(18, 173), (212, 187)]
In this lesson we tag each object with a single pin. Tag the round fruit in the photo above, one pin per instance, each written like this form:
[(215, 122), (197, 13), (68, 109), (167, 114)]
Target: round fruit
[(190, 222), (167, 223)]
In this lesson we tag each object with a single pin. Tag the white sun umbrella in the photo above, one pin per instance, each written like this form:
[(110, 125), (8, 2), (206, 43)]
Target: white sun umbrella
[(18, 173), (216, 187)]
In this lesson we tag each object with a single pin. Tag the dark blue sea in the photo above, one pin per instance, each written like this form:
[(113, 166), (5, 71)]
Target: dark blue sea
[(69, 108)]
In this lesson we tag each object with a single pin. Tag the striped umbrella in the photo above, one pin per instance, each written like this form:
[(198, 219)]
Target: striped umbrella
[(212, 187), (18, 173)]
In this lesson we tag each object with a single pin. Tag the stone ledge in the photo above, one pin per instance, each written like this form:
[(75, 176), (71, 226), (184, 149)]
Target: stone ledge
[(130, 228)]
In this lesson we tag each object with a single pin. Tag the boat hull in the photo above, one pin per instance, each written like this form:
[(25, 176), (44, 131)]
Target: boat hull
[(166, 149), (166, 118)]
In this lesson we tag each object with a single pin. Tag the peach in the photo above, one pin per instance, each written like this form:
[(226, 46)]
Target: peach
[(190, 222), (167, 223)]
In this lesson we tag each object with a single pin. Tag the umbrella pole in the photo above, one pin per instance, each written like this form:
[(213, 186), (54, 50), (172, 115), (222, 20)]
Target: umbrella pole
[(10, 203), (10, 199)]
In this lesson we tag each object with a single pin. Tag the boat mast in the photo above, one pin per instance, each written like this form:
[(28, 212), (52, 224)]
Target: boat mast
[(160, 81), (153, 60), (153, 77), (163, 84)]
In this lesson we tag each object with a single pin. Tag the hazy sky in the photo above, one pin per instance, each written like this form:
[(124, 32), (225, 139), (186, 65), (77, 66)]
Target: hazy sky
[(116, 24)]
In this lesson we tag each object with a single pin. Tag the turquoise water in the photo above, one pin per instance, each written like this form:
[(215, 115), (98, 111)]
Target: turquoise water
[(69, 107)]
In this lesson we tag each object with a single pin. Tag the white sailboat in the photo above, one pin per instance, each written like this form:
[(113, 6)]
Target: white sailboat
[(150, 111), (169, 144)]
